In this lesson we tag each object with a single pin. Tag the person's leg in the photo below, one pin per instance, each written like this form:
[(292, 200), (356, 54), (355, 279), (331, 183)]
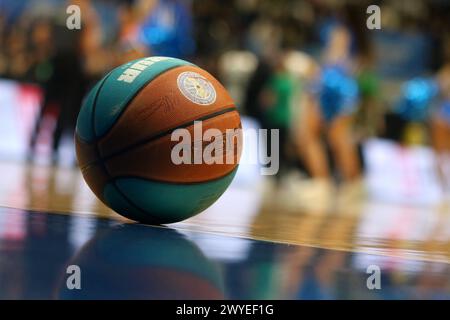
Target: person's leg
[(440, 140), (447, 156), (343, 147), (283, 153), (309, 142), (36, 130), (57, 134)]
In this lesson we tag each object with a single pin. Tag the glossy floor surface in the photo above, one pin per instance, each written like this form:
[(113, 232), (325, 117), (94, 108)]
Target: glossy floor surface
[(259, 241)]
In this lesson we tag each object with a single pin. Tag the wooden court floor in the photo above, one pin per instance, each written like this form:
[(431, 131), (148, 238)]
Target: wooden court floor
[(256, 212)]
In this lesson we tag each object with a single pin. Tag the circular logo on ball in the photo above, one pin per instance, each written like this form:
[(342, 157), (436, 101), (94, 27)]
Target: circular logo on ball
[(196, 88)]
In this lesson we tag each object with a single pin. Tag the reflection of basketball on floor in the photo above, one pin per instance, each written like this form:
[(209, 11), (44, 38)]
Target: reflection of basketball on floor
[(124, 145), (138, 262)]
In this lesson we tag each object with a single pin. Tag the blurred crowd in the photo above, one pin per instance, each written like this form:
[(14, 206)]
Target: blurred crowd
[(310, 68)]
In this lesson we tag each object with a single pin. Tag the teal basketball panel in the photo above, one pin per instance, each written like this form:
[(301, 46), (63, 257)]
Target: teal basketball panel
[(117, 201), (123, 84), (84, 127), (172, 202)]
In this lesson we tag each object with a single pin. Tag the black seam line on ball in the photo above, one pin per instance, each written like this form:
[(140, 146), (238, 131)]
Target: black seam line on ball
[(130, 99), (157, 136), (96, 147), (94, 105), (166, 132), (235, 168), (144, 213), (104, 168), (97, 138), (147, 214)]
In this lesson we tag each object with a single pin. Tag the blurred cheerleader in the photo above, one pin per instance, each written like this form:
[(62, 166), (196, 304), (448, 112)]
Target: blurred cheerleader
[(327, 110), (440, 127), (425, 102)]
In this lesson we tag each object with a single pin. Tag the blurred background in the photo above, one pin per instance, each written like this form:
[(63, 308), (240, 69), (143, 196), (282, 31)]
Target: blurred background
[(364, 126), (349, 102)]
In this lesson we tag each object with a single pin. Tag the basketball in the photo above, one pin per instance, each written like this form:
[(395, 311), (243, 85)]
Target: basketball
[(143, 136)]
